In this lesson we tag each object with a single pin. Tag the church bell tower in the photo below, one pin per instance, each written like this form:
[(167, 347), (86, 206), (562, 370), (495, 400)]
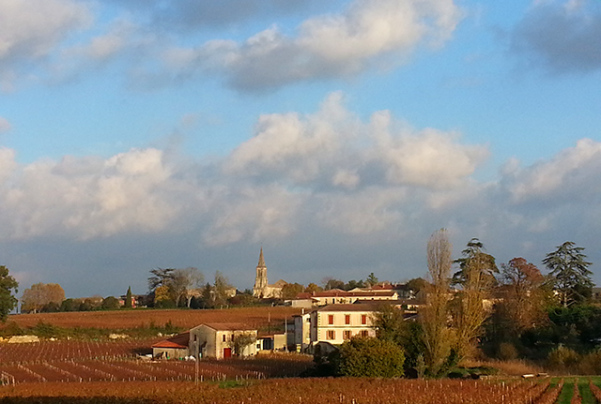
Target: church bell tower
[(261, 277)]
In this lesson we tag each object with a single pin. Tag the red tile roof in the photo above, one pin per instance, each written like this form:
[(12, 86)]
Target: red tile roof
[(179, 341)]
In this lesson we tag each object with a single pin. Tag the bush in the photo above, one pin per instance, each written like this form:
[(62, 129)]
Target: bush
[(507, 351), (591, 363), (369, 357), (562, 357)]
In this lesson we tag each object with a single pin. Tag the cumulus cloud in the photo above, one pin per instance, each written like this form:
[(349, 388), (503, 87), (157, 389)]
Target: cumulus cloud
[(326, 46), (561, 36), (334, 147), (571, 175), (31, 30)]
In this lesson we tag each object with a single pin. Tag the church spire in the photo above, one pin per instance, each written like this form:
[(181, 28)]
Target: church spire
[(261, 259)]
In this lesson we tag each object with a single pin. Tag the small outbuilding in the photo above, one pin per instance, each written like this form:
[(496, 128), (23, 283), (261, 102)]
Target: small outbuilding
[(176, 347)]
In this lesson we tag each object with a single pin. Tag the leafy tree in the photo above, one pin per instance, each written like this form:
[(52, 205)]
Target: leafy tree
[(352, 284), (569, 270), (369, 357), (110, 303), (416, 285), (221, 289), (128, 297), (434, 315), (8, 286), (312, 288), (331, 283), (39, 295), (291, 290), (69, 305), (524, 298), (240, 342), (476, 278), (162, 298)]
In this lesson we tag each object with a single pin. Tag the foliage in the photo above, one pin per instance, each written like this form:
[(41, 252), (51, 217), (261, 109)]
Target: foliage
[(569, 269), (563, 358), (434, 316), (8, 286), (476, 277), (371, 280), (221, 289), (416, 285), (128, 297), (110, 303), (369, 357), (312, 287), (39, 295), (331, 283), (291, 290), (177, 282), (241, 341)]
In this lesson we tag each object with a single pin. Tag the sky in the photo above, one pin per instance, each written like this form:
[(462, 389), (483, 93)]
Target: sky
[(338, 136)]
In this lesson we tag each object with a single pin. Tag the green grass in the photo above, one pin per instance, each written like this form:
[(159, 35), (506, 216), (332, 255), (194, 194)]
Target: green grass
[(568, 389)]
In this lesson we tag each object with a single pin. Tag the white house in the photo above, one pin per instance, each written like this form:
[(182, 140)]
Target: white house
[(175, 347), (219, 340)]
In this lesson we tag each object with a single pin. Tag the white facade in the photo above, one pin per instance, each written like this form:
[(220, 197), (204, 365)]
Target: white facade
[(218, 340), (341, 322)]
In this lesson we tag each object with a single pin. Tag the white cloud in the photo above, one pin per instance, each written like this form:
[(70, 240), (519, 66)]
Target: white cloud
[(571, 175), (31, 29), (327, 46)]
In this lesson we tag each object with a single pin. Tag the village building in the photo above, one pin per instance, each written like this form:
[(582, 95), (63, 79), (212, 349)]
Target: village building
[(338, 296), (176, 347), (262, 289), (222, 340)]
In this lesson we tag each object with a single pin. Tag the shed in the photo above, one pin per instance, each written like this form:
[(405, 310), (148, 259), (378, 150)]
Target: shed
[(175, 347)]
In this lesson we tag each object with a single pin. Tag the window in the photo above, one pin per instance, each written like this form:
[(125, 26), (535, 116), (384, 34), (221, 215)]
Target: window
[(347, 319), (330, 319), (331, 335), (223, 337), (364, 333), (346, 334), (363, 318)]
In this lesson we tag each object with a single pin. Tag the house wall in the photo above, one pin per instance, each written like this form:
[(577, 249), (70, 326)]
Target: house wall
[(218, 340), (302, 330), (339, 331), (170, 353)]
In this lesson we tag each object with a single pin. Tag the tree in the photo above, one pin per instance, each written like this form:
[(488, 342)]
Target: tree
[(476, 278), (291, 290), (312, 288), (177, 281), (128, 297), (240, 342), (8, 286), (369, 357), (569, 270), (331, 283), (221, 290), (371, 280), (434, 315), (39, 295), (415, 285), (524, 297), (110, 303)]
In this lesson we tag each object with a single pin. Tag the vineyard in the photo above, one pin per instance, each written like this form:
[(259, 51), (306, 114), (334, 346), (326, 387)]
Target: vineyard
[(123, 370), (128, 319), (315, 391)]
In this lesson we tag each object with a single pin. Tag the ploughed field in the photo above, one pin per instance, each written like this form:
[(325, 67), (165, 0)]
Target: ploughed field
[(126, 319), (315, 391)]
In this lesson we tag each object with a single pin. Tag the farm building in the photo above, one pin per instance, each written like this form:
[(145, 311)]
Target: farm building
[(223, 340), (175, 347)]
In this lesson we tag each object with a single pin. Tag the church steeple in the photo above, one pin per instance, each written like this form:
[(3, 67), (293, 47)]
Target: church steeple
[(260, 288), (261, 259)]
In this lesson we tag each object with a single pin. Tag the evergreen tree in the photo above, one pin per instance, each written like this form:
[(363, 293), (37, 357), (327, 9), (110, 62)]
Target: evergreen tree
[(128, 296), (569, 269)]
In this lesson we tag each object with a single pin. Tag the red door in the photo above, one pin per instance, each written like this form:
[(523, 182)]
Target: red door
[(227, 353)]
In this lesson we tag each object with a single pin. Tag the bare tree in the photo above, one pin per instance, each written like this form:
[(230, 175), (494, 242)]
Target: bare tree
[(39, 295), (434, 316)]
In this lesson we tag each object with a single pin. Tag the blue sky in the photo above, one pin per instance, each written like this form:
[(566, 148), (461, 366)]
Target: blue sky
[(144, 134)]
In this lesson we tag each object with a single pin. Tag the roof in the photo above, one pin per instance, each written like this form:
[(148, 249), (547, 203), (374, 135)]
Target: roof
[(179, 341), (343, 293), (261, 259), (229, 326), (351, 307)]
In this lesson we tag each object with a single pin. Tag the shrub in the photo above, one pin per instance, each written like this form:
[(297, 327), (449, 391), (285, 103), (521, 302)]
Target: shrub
[(369, 357), (591, 363), (563, 357), (507, 351)]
